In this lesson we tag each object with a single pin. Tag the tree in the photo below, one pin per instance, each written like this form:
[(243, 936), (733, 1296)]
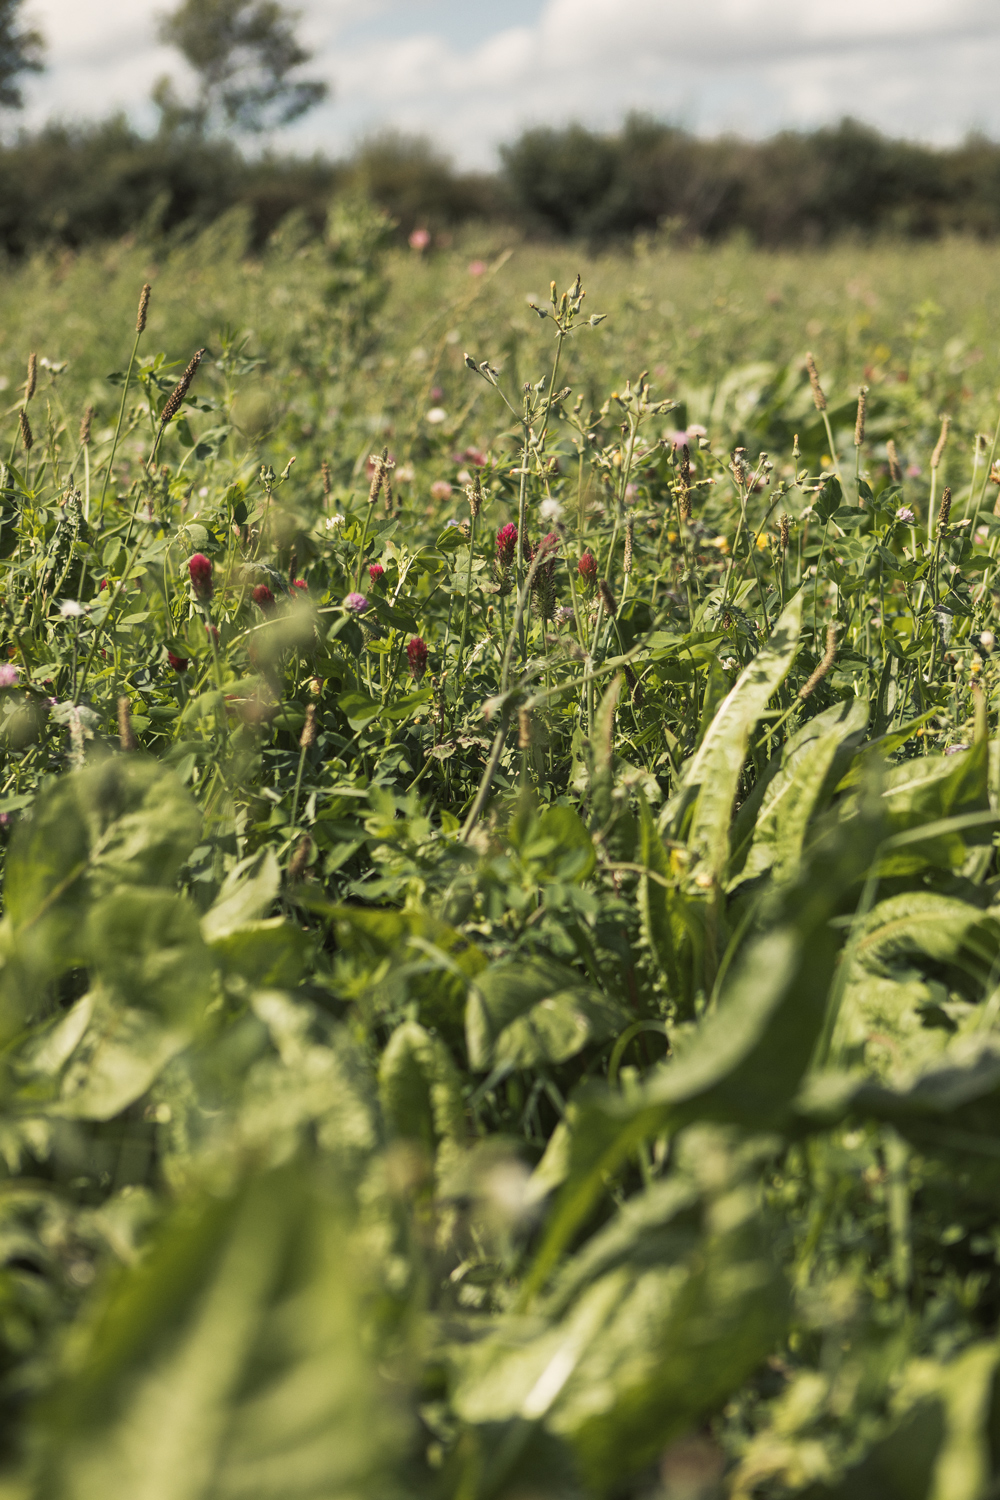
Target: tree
[(244, 53), (20, 52)]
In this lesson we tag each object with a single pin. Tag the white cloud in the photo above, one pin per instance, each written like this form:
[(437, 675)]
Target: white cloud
[(919, 67)]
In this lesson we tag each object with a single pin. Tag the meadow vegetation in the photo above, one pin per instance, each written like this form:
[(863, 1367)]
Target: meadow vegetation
[(500, 955)]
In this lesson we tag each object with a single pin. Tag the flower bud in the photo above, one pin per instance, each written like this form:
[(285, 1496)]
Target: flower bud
[(416, 655), (200, 569), (587, 569)]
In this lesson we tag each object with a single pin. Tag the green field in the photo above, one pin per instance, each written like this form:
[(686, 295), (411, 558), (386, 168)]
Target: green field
[(500, 964)]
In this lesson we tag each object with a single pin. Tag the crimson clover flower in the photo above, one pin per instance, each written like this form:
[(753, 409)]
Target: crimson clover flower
[(200, 569)]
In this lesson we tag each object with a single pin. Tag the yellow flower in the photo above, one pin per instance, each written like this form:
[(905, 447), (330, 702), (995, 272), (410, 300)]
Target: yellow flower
[(671, 536), (721, 543), (763, 541)]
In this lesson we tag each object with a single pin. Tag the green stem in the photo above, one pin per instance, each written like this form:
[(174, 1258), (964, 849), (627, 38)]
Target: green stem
[(118, 427)]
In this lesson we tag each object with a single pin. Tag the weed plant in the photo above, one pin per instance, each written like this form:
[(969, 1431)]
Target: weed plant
[(501, 946)]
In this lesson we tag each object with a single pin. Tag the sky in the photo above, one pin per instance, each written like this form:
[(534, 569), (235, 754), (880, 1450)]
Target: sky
[(472, 75)]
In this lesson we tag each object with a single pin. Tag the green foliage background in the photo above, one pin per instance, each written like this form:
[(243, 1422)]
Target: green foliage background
[(569, 1068)]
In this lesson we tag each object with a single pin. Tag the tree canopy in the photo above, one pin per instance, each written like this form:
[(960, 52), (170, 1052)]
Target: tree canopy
[(244, 53), (20, 52)]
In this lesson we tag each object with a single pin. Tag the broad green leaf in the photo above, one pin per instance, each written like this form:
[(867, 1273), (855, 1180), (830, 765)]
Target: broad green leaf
[(232, 1363), (125, 820), (273, 952), (358, 709), (800, 788), (506, 992), (921, 791), (701, 810), (146, 947), (246, 894), (120, 1056), (747, 1059), (420, 1088), (941, 1439), (656, 1320), (559, 1027)]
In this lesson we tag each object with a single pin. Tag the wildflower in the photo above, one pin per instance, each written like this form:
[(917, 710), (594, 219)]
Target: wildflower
[(179, 663), (376, 573), (564, 614), (720, 542), (356, 603), (477, 268), (441, 490), (913, 471), (419, 240), (506, 544), (263, 598), (955, 749), (475, 456), (300, 583), (70, 609), (437, 415), (982, 535), (405, 474), (904, 513), (550, 510), (987, 640), (587, 569), (416, 655), (200, 569), (334, 521), (8, 675)]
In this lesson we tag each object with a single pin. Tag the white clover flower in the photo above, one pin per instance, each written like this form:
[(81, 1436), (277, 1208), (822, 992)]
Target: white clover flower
[(905, 514), (70, 609), (437, 415), (550, 510), (333, 521)]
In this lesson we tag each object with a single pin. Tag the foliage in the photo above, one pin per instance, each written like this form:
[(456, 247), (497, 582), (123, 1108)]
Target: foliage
[(474, 1023), (21, 50), (71, 185), (243, 53)]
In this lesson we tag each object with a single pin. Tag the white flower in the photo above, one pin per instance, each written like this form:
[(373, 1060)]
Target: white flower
[(550, 510), (70, 610), (203, 491), (436, 415), (333, 521)]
